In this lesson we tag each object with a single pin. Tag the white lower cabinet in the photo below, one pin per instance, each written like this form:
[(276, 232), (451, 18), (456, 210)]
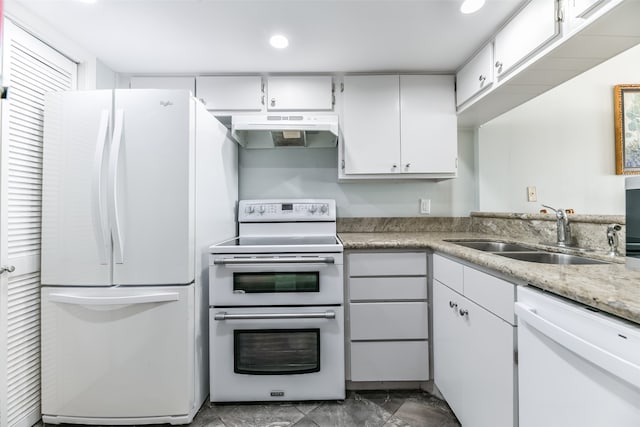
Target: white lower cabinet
[(474, 345), (388, 317)]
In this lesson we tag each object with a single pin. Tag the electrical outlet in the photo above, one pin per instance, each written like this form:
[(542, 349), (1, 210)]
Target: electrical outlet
[(425, 206), (532, 195)]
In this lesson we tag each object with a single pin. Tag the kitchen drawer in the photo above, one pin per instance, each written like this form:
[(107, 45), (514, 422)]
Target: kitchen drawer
[(448, 272), (390, 361), (496, 295), (388, 321), (387, 288), (388, 264)]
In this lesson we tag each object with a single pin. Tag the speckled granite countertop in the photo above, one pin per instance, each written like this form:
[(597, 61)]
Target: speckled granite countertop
[(611, 288)]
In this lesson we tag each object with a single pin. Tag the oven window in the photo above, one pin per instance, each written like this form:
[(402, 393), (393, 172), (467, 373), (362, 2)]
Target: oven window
[(274, 282), (276, 351)]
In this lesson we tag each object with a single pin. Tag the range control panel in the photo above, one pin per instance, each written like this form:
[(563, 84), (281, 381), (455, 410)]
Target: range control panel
[(286, 210)]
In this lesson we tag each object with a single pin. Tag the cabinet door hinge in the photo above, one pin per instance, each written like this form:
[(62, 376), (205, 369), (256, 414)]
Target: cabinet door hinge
[(333, 100), (341, 87), (342, 164), (456, 163), (515, 357)]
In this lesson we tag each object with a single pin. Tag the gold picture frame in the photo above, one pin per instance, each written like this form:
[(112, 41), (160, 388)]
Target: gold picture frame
[(627, 128)]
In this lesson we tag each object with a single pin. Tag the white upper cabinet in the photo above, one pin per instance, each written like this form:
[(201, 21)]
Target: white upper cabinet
[(532, 28), (371, 124), (578, 11), (428, 125), (163, 82), (231, 93), (398, 127), (476, 75), (298, 93)]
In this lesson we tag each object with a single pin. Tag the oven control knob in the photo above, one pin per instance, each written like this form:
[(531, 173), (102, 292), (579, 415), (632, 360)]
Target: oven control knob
[(323, 208), (261, 209), (249, 209), (312, 208)]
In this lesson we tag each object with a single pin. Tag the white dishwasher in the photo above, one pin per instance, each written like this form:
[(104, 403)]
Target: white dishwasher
[(576, 367)]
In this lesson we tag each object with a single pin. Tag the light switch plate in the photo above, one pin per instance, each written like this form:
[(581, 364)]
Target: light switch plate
[(532, 194), (425, 206)]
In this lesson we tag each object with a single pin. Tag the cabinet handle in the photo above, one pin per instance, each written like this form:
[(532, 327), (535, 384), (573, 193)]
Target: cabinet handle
[(464, 312), (273, 102), (453, 304), (262, 100), (482, 78), (394, 166), (408, 165), (7, 269), (499, 65)]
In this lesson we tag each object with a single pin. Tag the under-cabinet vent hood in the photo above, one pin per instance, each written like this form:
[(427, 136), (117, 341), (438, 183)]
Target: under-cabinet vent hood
[(268, 131)]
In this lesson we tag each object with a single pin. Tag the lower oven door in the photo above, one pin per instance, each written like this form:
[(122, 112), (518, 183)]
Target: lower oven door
[(279, 279), (277, 353)]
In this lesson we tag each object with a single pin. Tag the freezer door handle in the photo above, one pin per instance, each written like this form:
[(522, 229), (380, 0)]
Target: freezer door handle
[(118, 255), (223, 315), (614, 364), (100, 223), (114, 300)]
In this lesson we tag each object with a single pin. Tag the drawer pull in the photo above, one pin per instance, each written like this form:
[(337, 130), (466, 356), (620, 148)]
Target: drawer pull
[(453, 304)]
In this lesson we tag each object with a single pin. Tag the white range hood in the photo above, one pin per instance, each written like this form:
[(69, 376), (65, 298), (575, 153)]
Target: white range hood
[(295, 130)]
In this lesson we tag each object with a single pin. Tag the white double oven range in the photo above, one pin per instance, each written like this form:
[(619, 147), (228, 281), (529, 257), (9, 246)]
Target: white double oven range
[(276, 305)]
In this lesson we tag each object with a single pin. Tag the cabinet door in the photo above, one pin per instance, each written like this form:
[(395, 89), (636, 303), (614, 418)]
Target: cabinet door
[(448, 346), (530, 29), (231, 93), (294, 93), (582, 8), (371, 124), (156, 82), (476, 76), (428, 124), (473, 360), (390, 361)]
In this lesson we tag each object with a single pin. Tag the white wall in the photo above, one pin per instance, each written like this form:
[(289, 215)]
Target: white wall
[(561, 142), (296, 173)]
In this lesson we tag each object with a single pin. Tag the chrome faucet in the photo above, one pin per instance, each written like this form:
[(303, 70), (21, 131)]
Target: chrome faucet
[(612, 238), (564, 229)]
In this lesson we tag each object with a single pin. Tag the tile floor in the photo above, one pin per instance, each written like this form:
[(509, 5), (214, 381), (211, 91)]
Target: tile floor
[(359, 409)]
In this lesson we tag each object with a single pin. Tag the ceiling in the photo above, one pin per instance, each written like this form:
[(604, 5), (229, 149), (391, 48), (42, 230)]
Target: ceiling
[(222, 36)]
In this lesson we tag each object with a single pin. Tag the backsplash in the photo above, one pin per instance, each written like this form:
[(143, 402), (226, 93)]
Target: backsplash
[(589, 231), (403, 224)]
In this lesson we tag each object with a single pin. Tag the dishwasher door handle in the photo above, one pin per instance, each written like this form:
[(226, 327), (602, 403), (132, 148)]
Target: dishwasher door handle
[(614, 364)]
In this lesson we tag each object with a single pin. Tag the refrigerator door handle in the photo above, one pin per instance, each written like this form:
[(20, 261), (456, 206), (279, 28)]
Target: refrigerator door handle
[(101, 226), (114, 300), (118, 255)]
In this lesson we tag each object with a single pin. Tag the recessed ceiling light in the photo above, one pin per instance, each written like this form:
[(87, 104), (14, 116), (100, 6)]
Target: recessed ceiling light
[(470, 6), (279, 41)]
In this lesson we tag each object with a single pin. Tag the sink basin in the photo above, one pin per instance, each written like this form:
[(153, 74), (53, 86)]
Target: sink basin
[(490, 246), (550, 258)]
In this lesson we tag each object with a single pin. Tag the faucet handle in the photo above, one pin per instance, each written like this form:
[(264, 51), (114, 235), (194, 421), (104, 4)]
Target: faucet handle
[(612, 238)]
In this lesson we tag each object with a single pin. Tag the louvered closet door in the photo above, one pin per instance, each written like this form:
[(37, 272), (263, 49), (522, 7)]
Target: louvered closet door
[(29, 68)]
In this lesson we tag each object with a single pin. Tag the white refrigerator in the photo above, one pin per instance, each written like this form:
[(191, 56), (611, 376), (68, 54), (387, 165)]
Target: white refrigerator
[(137, 184)]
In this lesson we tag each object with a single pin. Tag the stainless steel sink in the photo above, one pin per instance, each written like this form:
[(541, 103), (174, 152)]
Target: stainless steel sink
[(550, 258), (492, 246)]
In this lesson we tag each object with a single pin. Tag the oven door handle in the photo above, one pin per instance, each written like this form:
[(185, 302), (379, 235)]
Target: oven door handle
[(274, 260), (223, 315)]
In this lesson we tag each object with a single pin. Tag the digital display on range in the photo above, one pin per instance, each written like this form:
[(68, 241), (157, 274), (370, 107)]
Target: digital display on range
[(287, 206)]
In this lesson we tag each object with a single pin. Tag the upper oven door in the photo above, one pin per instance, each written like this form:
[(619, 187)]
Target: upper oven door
[(276, 279)]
